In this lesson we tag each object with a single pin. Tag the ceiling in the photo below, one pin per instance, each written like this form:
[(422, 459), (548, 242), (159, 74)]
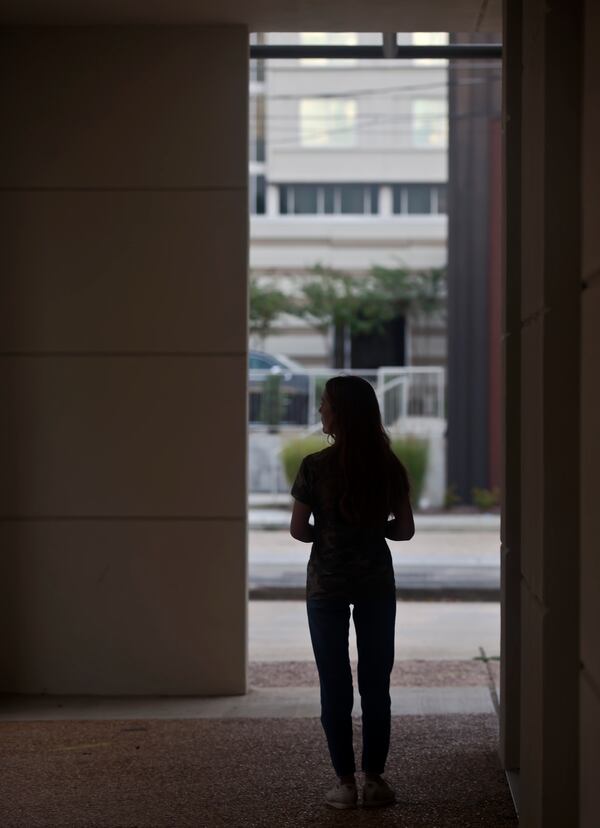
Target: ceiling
[(268, 15)]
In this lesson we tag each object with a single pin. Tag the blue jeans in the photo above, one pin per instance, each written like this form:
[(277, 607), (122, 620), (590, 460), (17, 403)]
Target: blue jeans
[(329, 625)]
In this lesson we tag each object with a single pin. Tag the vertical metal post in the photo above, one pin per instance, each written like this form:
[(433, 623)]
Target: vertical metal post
[(390, 45)]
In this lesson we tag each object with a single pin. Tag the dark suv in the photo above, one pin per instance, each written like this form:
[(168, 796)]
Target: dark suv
[(293, 387)]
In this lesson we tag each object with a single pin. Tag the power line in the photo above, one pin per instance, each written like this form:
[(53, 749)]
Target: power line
[(445, 84)]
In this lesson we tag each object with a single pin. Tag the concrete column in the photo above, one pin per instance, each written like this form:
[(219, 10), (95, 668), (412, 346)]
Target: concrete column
[(510, 526), (550, 388), (386, 202), (123, 313), (272, 200), (589, 684)]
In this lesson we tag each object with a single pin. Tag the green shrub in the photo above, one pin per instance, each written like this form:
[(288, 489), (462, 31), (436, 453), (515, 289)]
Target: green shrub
[(294, 452), (413, 453), (485, 499), (451, 497)]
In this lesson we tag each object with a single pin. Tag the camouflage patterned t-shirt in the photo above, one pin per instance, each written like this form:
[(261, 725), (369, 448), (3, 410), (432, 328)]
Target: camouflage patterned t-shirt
[(346, 561)]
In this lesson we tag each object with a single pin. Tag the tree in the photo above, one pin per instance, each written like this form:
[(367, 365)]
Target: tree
[(266, 304), (363, 304), (413, 291)]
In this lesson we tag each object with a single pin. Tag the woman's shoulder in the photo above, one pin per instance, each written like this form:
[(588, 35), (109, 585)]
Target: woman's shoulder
[(318, 458)]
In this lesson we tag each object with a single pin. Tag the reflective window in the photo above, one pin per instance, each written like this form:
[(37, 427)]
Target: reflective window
[(257, 127), (430, 122), (328, 122), (430, 39), (353, 199), (418, 198), (442, 198), (328, 198), (258, 363), (305, 198), (257, 194)]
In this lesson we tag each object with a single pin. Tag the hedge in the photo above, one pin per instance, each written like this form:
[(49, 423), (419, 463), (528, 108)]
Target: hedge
[(412, 452)]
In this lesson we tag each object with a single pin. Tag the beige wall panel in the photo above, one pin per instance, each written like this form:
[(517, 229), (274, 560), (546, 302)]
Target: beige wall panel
[(549, 714), (123, 607), (123, 271), (590, 463), (511, 432), (532, 662), (532, 461), (590, 180), (589, 753), (123, 436), (510, 656), (532, 167), (124, 107)]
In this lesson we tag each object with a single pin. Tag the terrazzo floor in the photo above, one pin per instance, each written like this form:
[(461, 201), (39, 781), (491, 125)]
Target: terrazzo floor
[(260, 772)]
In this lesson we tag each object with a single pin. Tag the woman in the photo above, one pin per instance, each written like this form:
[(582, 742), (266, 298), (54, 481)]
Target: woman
[(351, 488)]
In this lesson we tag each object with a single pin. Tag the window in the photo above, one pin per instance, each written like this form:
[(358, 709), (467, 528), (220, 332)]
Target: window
[(419, 199), (257, 67), (430, 39), (430, 122), (328, 122), (442, 198), (353, 198), (327, 39), (329, 199), (259, 363), (305, 198), (257, 194), (257, 128)]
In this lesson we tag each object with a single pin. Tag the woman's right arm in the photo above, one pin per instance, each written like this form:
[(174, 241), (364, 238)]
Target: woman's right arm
[(402, 526), (300, 528)]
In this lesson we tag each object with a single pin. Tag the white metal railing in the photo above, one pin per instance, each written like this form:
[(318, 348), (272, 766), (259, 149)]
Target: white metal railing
[(292, 399)]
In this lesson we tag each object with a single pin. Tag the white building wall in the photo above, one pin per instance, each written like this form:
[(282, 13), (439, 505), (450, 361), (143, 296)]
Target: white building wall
[(384, 153)]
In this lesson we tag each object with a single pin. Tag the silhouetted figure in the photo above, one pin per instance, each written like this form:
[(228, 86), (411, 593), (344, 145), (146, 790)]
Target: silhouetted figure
[(351, 488)]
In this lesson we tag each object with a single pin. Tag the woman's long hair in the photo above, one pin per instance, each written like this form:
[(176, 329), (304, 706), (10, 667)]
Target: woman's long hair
[(370, 473)]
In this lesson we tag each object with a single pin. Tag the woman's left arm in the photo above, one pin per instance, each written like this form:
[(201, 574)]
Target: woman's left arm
[(300, 528)]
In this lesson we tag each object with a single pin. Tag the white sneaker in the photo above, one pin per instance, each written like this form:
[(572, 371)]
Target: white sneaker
[(377, 793), (343, 795)]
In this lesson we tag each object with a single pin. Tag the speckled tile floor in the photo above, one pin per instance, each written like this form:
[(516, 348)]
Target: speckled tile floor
[(253, 773), (407, 673), (242, 774)]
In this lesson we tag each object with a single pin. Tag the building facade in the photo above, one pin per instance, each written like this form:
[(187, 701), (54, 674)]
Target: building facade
[(348, 169)]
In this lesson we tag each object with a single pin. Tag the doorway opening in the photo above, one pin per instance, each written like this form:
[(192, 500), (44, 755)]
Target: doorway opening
[(352, 163)]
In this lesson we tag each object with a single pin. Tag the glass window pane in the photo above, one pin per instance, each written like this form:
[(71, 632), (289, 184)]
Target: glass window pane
[(305, 198), (418, 198), (260, 129), (283, 199), (328, 39), (397, 198), (260, 194), (328, 122), (328, 198), (259, 364), (430, 122), (442, 199), (430, 39), (353, 198), (374, 190)]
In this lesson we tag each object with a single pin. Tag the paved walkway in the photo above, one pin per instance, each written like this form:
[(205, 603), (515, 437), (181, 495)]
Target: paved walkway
[(464, 557), (278, 631), (258, 703)]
